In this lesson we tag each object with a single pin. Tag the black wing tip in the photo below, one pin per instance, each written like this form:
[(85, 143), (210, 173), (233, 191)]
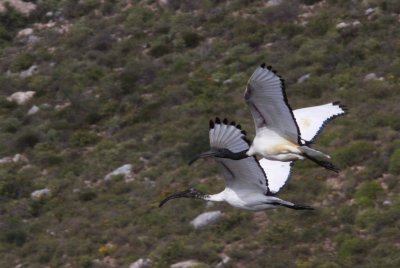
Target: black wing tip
[(264, 66), (246, 140), (226, 122), (341, 106), (211, 123)]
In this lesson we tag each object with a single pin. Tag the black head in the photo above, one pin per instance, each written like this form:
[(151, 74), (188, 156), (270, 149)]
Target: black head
[(189, 193)]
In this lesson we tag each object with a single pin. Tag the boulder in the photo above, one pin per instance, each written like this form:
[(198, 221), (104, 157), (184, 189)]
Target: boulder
[(25, 32), (206, 218), (372, 77), (34, 109), (223, 263), (21, 97), (303, 78), (40, 194), (19, 5), (19, 158), (124, 170), (141, 263), (6, 160), (185, 264), (342, 25), (28, 72), (369, 11)]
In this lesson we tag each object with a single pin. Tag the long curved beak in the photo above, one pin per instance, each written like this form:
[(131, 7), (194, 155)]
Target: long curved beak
[(173, 196), (203, 155)]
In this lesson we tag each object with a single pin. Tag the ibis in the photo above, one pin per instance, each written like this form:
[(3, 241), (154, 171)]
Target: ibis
[(249, 184), (281, 133)]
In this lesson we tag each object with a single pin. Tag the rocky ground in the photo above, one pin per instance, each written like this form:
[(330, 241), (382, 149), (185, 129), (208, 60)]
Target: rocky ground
[(103, 103)]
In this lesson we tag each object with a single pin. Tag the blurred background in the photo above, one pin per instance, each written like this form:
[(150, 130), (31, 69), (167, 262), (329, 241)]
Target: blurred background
[(103, 103)]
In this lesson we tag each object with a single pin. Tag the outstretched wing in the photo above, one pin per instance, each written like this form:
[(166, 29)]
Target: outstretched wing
[(245, 174), (278, 173), (312, 120), (266, 97)]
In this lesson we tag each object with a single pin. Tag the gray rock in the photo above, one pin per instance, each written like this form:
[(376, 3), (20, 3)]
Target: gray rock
[(303, 78), (372, 77), (185, 264), (387, 203), (20, 158), (25, 32), (32, 39), (141, 263), (227, 82), (21, 97), (356, 23), (124, 170), (42, 193), (223, 262), (20, 6), (6, 160), (342, 25), (369, 11), (28, 72), (206, 218), (34, 109), (272, 3)]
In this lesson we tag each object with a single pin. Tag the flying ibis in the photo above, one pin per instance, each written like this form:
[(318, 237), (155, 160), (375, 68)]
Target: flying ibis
[(249, 184), (281, 133)]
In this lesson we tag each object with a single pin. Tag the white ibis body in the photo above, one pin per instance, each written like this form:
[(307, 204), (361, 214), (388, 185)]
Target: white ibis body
[(249, 184), (282, 134)]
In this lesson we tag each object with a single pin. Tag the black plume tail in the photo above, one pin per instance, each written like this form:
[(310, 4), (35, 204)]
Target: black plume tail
[(325, 164)]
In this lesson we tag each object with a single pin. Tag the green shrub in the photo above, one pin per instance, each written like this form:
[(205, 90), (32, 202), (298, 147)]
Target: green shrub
[(286, 11), (158, 50), (23, 62), (347, 214), (27, 139), (82, 138), (390, 6), (368, 193), (13, 232), (87, 195), (191, 39), (353, 246), (10, 124), (367, 218), (49, 158), (394, 162), (354, 153), (12, 19)]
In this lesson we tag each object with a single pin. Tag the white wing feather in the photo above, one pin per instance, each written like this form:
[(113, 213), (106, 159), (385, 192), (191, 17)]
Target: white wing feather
[(278, 173), (312, 120)]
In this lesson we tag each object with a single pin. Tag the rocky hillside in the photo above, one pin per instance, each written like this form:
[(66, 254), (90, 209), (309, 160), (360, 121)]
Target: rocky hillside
[(103, 103)]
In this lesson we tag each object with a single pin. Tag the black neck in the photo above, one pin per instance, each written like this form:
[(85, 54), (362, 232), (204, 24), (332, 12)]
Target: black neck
[(238, 155)]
